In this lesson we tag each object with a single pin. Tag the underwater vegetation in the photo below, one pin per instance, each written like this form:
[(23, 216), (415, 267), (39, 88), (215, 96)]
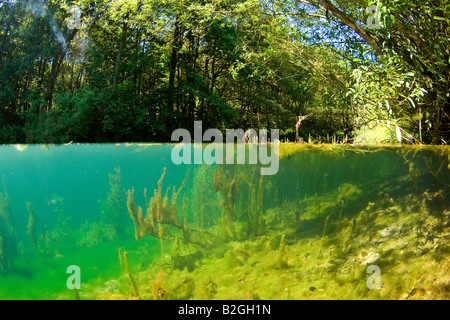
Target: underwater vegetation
[(112, 208), (8, 243), (313, 231), (318, 246), (31, 228)]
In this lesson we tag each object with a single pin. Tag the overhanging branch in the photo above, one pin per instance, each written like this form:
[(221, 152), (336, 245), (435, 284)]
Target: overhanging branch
[(352, 24)]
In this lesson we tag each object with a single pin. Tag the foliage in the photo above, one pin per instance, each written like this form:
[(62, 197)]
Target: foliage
[(136, 70), (374, 133), (409, 56), (93, 233), (112, 208)]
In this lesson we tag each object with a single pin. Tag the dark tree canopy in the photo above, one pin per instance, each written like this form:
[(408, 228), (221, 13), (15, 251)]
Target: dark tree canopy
[(136, 70)]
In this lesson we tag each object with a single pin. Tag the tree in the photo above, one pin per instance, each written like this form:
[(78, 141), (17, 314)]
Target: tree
[(416, 36), (137, 70)]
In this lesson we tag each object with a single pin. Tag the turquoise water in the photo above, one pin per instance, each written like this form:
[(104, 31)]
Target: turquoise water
[(78, 176), (316, 189)]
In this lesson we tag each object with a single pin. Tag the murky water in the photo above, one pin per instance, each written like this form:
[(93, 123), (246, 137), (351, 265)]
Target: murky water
[(139, 226)]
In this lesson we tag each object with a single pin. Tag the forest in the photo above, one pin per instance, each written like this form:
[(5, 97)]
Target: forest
[(359, 71)]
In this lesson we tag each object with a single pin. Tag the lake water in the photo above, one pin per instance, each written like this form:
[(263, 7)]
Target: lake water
[(335, 222)]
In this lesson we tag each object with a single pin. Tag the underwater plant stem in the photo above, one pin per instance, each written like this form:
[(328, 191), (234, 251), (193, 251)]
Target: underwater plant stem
[(130, 276), (161, 239), (31, 228), (342, 206), (183, 221), (77, 296), (325, 225), (227, 183), (146, 199), (260, 193), (158, 291), (120, 259), (323, 232), (202, 224), (282, 263)]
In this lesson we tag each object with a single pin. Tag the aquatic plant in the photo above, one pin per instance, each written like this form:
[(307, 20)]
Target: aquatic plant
[(158, 291), (111, 208), (3, 257), (161, 239), (282, 260), (206, 290), (226, 182), (162, 214), (77, 296), (31, 228), (44, 243), (205, 203), (93, 233), (182, 289), (135, 212), (414, 175), (353, 223), (254, 224), (62, 219), (8, 242), (134, 290), (63, 236), (438, 164), (176, 254), (131, 285), (346, 191), (160, 211)]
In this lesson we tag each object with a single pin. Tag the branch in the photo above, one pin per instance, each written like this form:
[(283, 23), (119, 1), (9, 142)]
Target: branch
[(352, 24)]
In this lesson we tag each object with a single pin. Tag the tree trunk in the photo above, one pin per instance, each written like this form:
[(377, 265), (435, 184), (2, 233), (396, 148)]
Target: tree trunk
[(173, 66), (56, 69), (123, 40)]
